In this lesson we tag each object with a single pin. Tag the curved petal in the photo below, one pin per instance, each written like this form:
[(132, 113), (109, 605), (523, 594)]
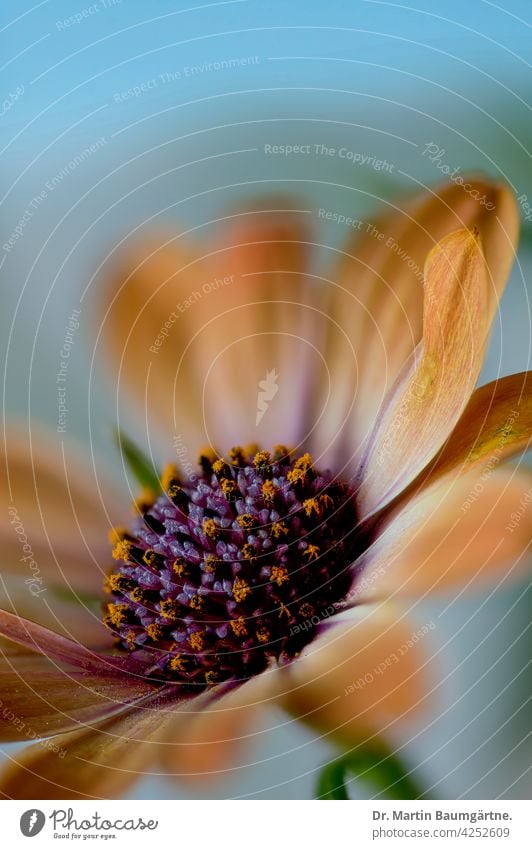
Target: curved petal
[(429, 397), (363, 678), (35, 637), (57, 521), (377, 300), (496, 424), (97, 763), (206, 744), (40, 699), (463, 533), (192, 334)]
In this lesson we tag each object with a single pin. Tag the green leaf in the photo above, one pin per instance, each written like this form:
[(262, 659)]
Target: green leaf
[(373, 764), (139, 465)]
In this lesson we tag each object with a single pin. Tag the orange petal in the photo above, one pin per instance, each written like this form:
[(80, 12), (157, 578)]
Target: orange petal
[(377, 303), (469, 532), (497, 423), (39, 699), (57, 520), (364, 678), (431, 394), (206, 744), (194, 334), (97, 763)]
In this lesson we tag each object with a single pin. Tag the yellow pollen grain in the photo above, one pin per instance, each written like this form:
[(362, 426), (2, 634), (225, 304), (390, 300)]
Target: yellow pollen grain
[(228, 487), (311, 506), (326, 502), (178, 663), (236, 455), (296, 476), (138, 595), (197, 642), (168, 608), (247, 552), (246, 521), (279, 529), (263, 635), (196, 602), (241, 589), (211, 677), (131, 639), (269, 490), (179, 568), (261, 458), (112, 582), (239, 627), (122, 550), (154, 631), (306, 610), (170, 475), (173, 490), (311, 552), (218, 466), (207, 456), (149, 556), (279, 575), (281, 452), (304, 462), (117, 534), (210, 528), (117, 613), (210, 563)]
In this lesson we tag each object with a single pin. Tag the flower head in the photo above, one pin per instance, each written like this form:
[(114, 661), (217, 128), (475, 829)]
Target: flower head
[(225, 588)]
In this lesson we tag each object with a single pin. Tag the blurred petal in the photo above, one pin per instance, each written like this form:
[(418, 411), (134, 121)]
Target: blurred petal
[(207, 743), (431, 394), (377, 303), (35, 637), (57, 519), (193, 334), (98, 763), (65, 613), (465, 533), (39, 699), (366, 677)]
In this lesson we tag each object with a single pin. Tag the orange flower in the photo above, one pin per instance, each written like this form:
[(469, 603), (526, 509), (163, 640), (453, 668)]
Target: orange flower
[(225, 590)]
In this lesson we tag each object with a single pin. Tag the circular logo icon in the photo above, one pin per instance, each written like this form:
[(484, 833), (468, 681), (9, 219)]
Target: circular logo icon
[(32, 822)]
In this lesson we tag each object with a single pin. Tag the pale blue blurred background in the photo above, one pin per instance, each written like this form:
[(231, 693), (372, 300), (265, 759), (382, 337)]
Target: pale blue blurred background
[(381, 78)]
